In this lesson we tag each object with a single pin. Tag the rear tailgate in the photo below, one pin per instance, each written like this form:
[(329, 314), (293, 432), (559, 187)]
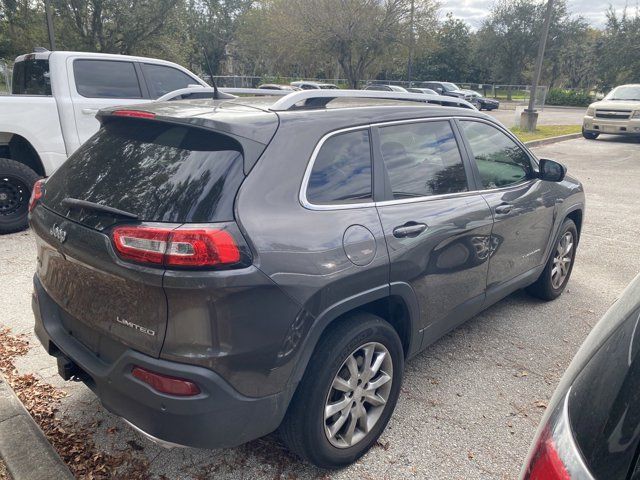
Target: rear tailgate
[(98, 296), (162, 174)]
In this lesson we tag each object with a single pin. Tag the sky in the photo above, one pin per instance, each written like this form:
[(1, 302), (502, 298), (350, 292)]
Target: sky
[(474, 11)]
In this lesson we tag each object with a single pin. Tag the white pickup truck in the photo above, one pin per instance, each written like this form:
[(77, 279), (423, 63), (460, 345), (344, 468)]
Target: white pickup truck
[(51, 112)]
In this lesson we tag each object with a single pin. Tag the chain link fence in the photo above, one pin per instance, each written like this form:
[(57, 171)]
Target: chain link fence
[(509, 95)]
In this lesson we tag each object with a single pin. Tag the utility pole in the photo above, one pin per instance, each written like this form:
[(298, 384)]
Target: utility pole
[(52, 38), (411, 43), (529, 118)]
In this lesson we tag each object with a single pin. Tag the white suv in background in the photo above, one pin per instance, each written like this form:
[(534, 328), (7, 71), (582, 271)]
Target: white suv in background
[(618, 113)]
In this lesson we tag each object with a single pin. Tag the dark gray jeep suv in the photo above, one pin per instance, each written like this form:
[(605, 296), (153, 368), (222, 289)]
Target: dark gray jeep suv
[(218, 269)]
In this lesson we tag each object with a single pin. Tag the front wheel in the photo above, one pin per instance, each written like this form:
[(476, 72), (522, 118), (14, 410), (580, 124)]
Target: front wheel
[(348, 393), (589, 135), (16, 182), (556, 273)]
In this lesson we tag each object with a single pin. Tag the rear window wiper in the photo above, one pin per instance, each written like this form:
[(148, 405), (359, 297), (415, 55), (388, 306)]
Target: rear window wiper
[(77, 203)]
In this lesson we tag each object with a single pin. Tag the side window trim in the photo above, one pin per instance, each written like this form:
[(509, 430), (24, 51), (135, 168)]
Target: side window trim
[(473, 163), (144, 87)]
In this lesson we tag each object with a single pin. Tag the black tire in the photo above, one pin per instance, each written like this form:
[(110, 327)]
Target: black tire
[(303, 429), (589, 135), (16, 183), (544, 287)]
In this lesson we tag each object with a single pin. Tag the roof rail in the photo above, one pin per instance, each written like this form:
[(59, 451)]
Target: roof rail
[(198, 91), (320, 98)]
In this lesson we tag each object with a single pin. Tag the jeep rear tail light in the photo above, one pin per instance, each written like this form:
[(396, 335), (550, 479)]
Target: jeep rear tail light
[(179, 387), (36, 193), (185, 246)]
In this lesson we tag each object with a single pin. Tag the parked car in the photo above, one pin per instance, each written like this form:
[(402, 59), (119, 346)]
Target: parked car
[(618, 113), (426, 91), (274, 86), (447, 88), (51, 112), (381, 87), (217, 269), (591, 429), (483, 103), (307, 85)]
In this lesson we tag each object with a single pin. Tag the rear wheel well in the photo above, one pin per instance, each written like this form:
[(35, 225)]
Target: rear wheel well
[(20, 150), (393, 310), (576, 216)]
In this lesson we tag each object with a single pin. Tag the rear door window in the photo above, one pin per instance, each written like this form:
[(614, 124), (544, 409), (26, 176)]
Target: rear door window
[(160, 172), (422, 159), (162, 79), (106, 79), (501, 161), (342, 170)]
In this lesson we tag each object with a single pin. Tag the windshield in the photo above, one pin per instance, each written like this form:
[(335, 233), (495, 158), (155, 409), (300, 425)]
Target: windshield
[(625, 92), (31, 77), (450, 86)]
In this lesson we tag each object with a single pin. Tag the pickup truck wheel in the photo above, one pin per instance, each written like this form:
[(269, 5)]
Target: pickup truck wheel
[(589, 135), (347, 394), (16, 182)]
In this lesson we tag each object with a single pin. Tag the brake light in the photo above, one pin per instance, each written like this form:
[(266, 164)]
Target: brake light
[(134, 114), (36, 194), (180, 247), (546, 463), (165, 383)]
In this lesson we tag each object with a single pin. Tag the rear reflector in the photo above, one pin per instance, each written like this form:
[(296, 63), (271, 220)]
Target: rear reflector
[(134, 114), (36, 193), (165, 383), (178, 247)]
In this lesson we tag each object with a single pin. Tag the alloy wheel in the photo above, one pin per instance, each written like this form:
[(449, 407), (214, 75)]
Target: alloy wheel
[(358, 395), (562, 260)]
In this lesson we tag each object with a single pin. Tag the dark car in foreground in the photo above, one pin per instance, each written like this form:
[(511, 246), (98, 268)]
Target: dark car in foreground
[(591, 429), (216, 269)]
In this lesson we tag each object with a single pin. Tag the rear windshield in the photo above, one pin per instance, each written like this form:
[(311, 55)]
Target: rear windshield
[(159, 172), (31, 77)]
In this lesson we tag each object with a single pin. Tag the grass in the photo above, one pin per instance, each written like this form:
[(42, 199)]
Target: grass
[(545, 131)]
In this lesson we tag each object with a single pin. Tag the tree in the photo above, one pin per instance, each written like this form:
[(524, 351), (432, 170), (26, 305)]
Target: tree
[(618, 49), (450, 57)]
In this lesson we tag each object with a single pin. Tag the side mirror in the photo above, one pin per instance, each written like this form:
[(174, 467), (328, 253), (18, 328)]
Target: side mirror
[(439, 89), (552, 171)]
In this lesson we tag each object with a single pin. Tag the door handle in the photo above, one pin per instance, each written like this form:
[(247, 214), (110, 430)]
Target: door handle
[(503, 209), (89, 111), (409, 229)]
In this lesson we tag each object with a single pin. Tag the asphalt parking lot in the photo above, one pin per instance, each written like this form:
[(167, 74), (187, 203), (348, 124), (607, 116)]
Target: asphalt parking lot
[(469, 404)]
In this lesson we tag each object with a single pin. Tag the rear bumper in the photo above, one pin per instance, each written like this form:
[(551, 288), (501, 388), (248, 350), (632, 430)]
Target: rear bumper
[(217, 417)]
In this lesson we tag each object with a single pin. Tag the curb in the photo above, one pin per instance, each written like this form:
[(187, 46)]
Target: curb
[(25, 450), (550, 140)]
